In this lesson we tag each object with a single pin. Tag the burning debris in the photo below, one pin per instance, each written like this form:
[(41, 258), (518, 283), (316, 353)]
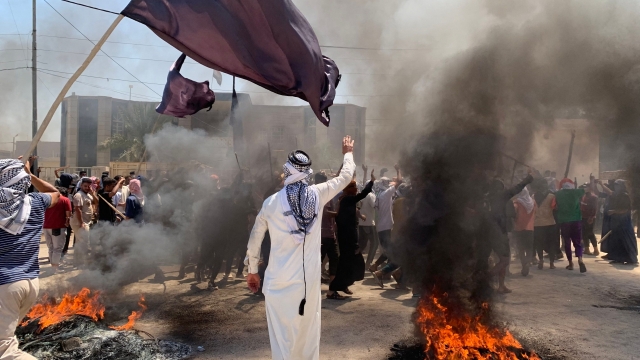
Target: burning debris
[(451, 334), (73, 329)]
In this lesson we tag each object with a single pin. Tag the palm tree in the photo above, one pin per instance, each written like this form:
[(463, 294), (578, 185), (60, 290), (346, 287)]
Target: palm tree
[(139, 119)]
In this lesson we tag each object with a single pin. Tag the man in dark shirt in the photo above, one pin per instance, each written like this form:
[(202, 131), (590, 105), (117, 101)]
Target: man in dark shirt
[(105, 199)]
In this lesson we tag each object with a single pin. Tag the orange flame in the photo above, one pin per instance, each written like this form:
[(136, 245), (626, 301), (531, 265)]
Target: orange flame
[(453, 335), (49, 312), (135, 315)]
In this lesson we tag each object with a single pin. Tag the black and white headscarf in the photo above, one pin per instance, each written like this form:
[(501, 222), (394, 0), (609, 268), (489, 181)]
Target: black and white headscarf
[(301, 200), (15, 205)]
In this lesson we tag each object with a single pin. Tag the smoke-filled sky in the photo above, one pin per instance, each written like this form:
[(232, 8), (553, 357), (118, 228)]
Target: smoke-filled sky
[(558, 48), (334, 22)]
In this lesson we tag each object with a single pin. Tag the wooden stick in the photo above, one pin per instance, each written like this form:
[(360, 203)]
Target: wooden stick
[(144, 154), (113, 207), (605, 237), (238, 161), (270, 161), (67, 86), (566, 172)]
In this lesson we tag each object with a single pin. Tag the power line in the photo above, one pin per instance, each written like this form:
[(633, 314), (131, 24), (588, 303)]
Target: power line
[(100, 87), (123, 68), (91, 7), (18, 30), (18, 68), (100, 77)]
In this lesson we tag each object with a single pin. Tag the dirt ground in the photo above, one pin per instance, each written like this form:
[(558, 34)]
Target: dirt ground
[(561, 314)]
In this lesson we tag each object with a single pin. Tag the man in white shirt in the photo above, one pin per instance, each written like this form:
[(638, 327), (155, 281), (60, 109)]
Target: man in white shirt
[(386, 189), (367, 233), (293, 218)]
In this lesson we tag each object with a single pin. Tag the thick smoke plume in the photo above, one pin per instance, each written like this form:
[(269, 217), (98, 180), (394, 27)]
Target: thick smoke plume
[(538, 61)]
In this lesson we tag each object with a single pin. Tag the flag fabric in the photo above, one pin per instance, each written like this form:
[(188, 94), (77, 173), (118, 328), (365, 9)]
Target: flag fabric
[(218, 76), (184, 96), (267, 42)]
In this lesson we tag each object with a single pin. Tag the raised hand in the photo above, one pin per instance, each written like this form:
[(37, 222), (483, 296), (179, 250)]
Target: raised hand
[(347, 145)]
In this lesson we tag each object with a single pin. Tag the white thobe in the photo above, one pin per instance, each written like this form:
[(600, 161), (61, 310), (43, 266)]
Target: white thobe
[(293, 336)]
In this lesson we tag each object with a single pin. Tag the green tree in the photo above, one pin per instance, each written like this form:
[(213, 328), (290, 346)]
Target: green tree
[(138, 120)]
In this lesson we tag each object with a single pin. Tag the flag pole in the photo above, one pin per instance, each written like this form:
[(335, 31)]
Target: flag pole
[(67, 86)]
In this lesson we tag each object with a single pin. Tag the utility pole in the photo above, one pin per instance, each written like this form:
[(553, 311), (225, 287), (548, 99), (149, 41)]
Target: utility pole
[(34, 84), (13, 149), (130, 87)]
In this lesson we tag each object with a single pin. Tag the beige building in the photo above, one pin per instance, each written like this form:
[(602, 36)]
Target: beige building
[(87, 121)]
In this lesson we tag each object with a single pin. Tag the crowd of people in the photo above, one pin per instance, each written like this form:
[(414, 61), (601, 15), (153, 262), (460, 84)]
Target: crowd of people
[(540, 219)]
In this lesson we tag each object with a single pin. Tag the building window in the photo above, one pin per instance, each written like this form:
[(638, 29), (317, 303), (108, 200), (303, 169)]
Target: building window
[(117, 126), (277, 134)]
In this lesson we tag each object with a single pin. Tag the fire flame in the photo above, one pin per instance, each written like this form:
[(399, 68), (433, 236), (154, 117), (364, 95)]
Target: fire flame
[(453, 335), (49, 312), (135, 315)]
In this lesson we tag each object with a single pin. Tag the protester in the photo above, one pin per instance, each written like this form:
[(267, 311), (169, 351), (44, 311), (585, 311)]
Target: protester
[(399, 213), (120, 198), (351, 262), (384, 222), (56, 222), (329, 245), (293, 219), (367, 234), (570, 220), (21, 220), (106, 210), (545, 233), (589, 209), (525, 208), (621, 245), (83, 205), (134, 209), (497, 199)]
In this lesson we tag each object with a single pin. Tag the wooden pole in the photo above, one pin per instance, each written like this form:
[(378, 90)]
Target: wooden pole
[(144, 154), (67, 86), (566, 172), (34, 85), (238, 161), (270, 160)]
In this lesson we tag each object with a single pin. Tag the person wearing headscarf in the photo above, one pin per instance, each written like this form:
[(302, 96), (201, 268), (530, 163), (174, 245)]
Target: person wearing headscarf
[(525, 208), (545, 232), (350, 262), (21, 221), (291, 289), (134, 208), (621, 245), (570, 220)]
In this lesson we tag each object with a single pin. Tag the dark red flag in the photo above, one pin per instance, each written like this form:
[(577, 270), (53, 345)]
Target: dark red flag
[(268, 42), (184, 96)]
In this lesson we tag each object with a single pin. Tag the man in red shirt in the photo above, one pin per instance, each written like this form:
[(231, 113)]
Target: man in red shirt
[(589, 208), (56, 221)]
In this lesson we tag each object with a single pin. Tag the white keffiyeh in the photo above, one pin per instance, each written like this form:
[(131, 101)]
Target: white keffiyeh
[(15, 205)]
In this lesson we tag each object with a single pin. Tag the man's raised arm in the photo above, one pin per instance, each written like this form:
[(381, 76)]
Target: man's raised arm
[(331, 188)]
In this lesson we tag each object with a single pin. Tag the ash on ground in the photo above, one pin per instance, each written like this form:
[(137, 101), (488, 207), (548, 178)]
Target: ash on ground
[(81, 338)]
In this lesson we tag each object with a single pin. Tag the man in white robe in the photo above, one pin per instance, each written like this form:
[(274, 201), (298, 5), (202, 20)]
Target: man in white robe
[(293, 218)]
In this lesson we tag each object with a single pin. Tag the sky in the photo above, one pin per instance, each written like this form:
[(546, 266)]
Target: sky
[(142, 53)]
